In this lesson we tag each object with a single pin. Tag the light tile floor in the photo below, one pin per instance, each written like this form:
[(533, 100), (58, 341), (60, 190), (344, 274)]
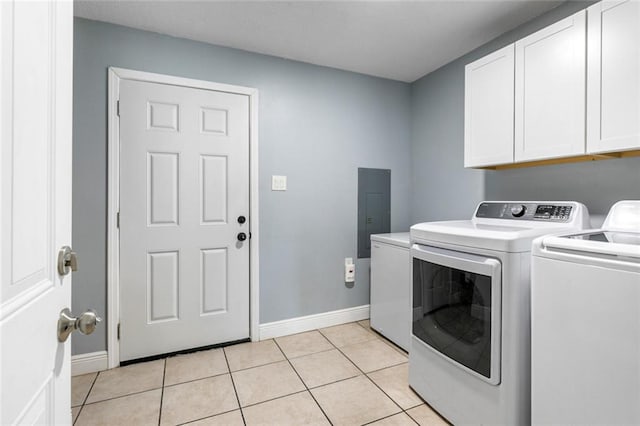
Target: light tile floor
[(342, 375)]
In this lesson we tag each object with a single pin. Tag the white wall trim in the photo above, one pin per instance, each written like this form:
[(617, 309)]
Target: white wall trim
[(89, 363), (113, 236), (311, 322)]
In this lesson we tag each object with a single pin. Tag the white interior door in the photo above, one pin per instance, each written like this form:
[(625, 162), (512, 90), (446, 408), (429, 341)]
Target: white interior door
[(184, 184), (35, 212)]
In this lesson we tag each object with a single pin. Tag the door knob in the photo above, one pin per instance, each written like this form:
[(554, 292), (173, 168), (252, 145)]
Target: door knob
[(86, 322), (67, 260), (241, 219), (242, 236)]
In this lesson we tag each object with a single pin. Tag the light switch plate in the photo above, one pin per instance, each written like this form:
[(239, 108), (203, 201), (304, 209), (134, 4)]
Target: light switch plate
[(278, 183)]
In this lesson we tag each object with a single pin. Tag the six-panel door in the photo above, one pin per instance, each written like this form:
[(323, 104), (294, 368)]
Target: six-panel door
[(184, 181), (35, 212)]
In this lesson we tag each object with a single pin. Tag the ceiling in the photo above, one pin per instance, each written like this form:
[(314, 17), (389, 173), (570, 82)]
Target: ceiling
[(400, 40)]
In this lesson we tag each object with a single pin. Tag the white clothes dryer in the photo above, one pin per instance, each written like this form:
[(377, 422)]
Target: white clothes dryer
[(470, 346), (586, 323)]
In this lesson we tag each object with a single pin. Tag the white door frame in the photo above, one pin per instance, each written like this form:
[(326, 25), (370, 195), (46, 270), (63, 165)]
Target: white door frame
[(113, 234)]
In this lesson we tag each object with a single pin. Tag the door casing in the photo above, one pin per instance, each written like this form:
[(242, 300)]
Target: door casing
[(113, 205)]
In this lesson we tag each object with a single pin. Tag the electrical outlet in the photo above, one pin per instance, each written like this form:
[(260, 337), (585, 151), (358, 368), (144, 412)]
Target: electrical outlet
[(349, 270)]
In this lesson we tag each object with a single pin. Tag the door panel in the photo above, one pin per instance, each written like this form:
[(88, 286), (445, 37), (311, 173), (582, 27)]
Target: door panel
[(214, 280), (613, 79), (35, 214), (162, 286), (162, 191), (488, 117), (550, 91), (213, 188), (184, 178)]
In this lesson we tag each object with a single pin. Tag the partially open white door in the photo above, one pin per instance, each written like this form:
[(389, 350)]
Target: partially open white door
[(184, 218), (35, 211)]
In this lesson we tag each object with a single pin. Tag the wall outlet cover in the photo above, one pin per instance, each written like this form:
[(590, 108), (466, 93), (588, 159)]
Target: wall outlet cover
[(278, 183), (349, 270)]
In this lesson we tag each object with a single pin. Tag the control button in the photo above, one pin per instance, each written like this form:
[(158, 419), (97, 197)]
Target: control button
[(518, 211)]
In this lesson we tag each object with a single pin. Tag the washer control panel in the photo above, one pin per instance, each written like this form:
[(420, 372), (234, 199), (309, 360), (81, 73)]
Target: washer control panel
[(553, 212), (525, 211)]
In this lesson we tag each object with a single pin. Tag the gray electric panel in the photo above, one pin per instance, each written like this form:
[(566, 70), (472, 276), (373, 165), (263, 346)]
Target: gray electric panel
[(374, 206)]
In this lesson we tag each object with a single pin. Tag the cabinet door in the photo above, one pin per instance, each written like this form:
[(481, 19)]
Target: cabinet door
[(550, 91), (613, 76), (488, 115)]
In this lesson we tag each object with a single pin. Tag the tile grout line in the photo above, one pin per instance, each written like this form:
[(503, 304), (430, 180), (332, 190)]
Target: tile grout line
[(384, 339), (255, 366), (390, 366), (195, 380), (370, 330), (190, 381), (409, 415), (121, 396), (334, 382), (402, 352), (335, 348), (289, 361), (302, 381), (233, 383), (274, 398), (367, 376), (391, 415), (167, 386), (207, 417), (164, 375), (84, 400), (393, 346), (371, 380), (319, 352), (95, 379)]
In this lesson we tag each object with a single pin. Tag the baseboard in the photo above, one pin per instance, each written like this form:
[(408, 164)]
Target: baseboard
[(89, 363), (98, 361), (311, 322)]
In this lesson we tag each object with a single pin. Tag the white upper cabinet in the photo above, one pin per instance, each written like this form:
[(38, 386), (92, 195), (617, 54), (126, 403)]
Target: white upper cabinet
[(489, 98), (613, 76), (550, 91)]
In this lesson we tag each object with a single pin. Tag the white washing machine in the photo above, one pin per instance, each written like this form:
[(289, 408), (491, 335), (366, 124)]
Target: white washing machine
[(586, 323), (470, 346)]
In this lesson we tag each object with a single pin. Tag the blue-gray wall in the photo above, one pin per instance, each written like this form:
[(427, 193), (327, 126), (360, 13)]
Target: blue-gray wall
[(443, 189), (317, 126)]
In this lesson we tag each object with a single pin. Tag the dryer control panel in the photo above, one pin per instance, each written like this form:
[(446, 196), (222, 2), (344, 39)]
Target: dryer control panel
[(525, 211)]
